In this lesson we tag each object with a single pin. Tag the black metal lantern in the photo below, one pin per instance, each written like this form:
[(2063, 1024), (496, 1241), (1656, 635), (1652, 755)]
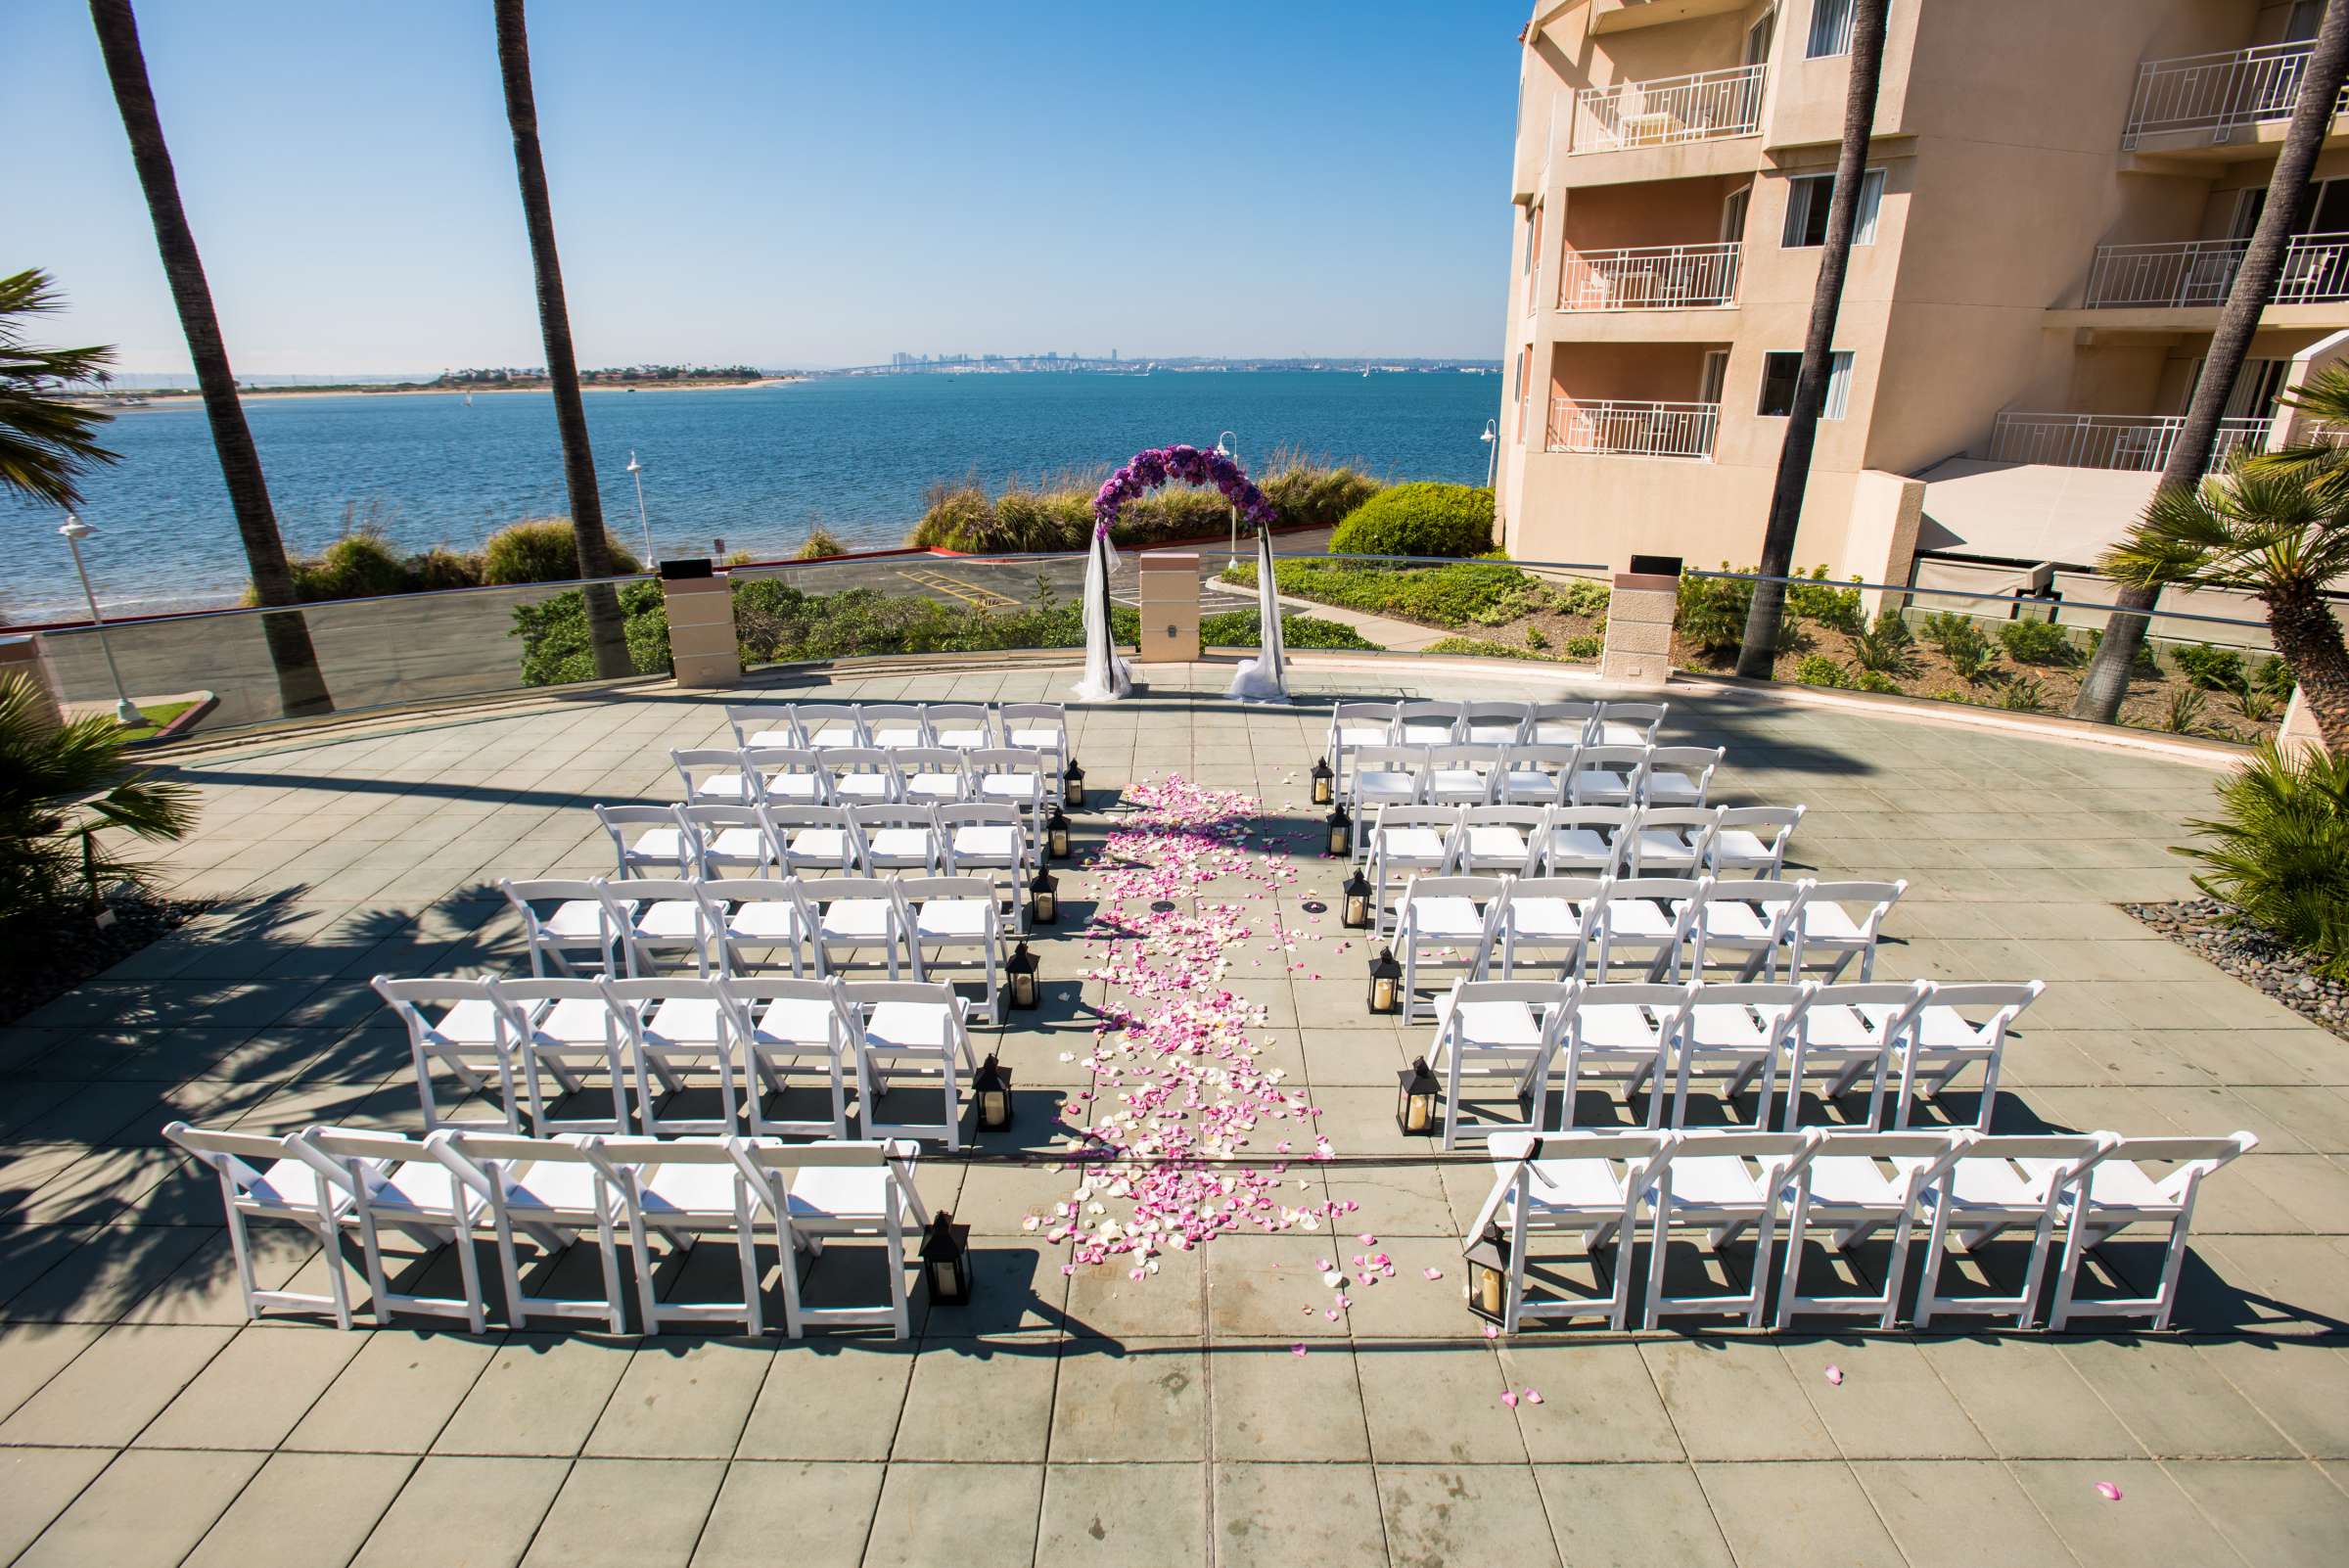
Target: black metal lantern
[(1355, 899), (1072, 785), (991, 1089), (1415, 1100), (1386, 983), (1020, 972), (945, 1259), (1487, 1261), (1043, 899), (1324, 782), (1056, 835), (1341, 833)]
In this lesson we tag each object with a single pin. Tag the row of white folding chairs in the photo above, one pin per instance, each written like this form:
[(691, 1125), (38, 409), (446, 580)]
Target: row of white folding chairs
[(523, 1048), (1790, 1189), (763, 841), (732, 926), (458, 1186), (1902, 1041), (1485, 774), (868, 775), (956, 726), (1481, 927), (1356, 724), (1574, 841)]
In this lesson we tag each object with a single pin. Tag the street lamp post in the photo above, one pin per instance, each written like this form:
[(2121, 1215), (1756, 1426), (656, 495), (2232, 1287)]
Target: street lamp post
[(126, 711), (1492, 440), (636, 473), (1227, 445)]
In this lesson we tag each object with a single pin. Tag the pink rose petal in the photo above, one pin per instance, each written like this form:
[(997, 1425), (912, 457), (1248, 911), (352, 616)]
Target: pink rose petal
[(1509, 1399), (1434, 1274), (1297, 1349), (1834, 1374), (1492, 1331), (2108, 1491)]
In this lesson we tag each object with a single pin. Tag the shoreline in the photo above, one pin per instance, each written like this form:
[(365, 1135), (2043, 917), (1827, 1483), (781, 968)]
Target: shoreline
[(177, 398)]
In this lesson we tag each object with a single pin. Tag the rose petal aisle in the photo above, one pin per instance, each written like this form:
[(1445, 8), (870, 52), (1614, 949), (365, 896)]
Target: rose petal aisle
[(1176, 1080)]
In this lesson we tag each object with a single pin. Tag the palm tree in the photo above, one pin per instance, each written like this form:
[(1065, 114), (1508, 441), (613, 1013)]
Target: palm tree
[(300, 688), (1761, 646), (2106, 681), (607, 633), (2259, 528), (2323, 462), (45, 442), (51, 857)]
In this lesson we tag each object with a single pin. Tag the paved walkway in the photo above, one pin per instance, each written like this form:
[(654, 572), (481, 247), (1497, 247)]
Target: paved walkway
[(1092, 1417)]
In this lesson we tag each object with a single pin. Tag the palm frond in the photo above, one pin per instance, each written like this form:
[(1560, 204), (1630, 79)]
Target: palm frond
[(45, 444)]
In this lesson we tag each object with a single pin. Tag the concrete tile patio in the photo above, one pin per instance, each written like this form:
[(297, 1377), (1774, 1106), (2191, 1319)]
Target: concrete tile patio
[(1095, 1418)]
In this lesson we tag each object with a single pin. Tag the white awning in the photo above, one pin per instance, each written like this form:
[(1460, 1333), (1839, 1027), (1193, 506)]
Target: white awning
[(2028, 512)]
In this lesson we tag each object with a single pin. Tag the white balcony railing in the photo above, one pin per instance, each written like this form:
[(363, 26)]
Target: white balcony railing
[(1702, 108), (2200, 272), (2216, 94), (1633, 430), (2140, 442), (1650, 277)]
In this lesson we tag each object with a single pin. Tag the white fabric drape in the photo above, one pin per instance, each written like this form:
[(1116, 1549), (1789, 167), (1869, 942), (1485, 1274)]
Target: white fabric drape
[(1266, 678), (1105, 676)]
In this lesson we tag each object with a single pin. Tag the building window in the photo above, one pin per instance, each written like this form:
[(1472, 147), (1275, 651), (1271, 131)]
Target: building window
[(1808, 197), (1780, 371), (1830, 28)]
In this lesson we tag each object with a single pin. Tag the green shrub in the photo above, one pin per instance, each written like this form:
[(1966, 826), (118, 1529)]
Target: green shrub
[(540, 550), (1057, 515), (1535, 639), (1582, 597), (1961, 642), (2037, 642), (1480, 648), (822, 545), (2278, 853), (1244, 628), (2023, 695), (2256, 705), (1836, 609), (1419, 519), (443, 568), (1584, 646), (2184, 715), (2274, 678), (1470, 593), (555, 649), (1317, 494), (1886, 648), (2210, 669), (1879, 682), (1817, 669), (2143, 665), (1711, 613)]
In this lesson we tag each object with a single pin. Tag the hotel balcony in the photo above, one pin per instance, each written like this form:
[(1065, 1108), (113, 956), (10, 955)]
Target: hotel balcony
[(2209, 104), (1610, 428), (2129, 443), (1650, 277), (2198, 273), (1707, 106)]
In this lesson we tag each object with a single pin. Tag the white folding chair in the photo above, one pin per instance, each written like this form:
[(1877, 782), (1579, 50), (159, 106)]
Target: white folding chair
[(1447, 925), (724, 841), (761, 724), (2120, 1192), (1351, 727), (981, 837), (1497, 1029), (549, 1191), (1560, 723), (1495, 723), (853, 915), (788, 776), (1587, 841), (1746, 924), (1627, 724), (579, 921), (1646, 921), (1860, 1184), (822, 725), (1670, 840), (954, 928), (959, 727), (784, 1025), (658, 919), (856, 775), (1628, 1032), (1850, 1033), (1463, 773), (1827, 937), (265, 1177), (1678, 775), (1407, 840), (900, 836), (815, 839), (1500, 840), (466, 1036), (646, 839), (894, 727), (1751, 840), (1592, 1182), (1553, 918), (684, 1190), (1384, 775), (911, 1029), (930, 775), (1038, 728), (1959, 1026), (754, 919), (566, 1031), (1726, 1183), (1006, 776), (1738, 1034), (2002, 1183), (1428, 723), (1535, 774), (394, 1182), (715, 777), (1609, 775), (680, 1039), (817, 1192)]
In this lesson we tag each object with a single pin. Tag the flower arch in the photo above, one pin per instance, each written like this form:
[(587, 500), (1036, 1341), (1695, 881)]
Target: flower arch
[(1147, 469)]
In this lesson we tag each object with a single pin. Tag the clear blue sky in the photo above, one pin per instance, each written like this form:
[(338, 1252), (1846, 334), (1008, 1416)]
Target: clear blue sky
[(787, 182)]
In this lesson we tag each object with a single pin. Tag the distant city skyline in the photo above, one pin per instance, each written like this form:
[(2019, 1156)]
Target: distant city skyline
[(787, 185)]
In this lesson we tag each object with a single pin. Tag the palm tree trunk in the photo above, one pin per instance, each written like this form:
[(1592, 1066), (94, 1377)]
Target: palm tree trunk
[(300, 688), (2106, 681), (1760, 649), (606, 632), (2309, 637)]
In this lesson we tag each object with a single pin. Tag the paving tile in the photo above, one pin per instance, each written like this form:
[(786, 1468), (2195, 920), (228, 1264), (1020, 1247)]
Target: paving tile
[(146, 1510), (1919, 1500), (36, 1484), (540, 1394), (1105, 1302), (1604, 1515), (982, 1515), (94, 1275), (254, 1391), (1124, 1515), (977, 1399), (1260, 1287), (1599, 1402), (1797, 1515), (1136, 1399), (2278, 1514), (2026, 1399), (1736, 1398), (837, 1399), (31, 1353), (628, 1513), (2296, 1386), (1464, 1514), (464, 1511), (1273, 1405), (1279, 1516), (114, 1387), (303, 1510), (2154, 1521), (1439, 1405), (825, 1511), (684, 1398), (2175, 1403), (1891, 1404), (396, 1395)]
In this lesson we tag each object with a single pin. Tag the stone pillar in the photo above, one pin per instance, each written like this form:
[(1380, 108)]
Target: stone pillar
[(1639, 614), (1170, 606), (701, 630), (21, 654)]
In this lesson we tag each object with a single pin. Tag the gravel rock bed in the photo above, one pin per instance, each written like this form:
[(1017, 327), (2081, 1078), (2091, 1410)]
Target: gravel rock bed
[(2250, 956), (46, 962)]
